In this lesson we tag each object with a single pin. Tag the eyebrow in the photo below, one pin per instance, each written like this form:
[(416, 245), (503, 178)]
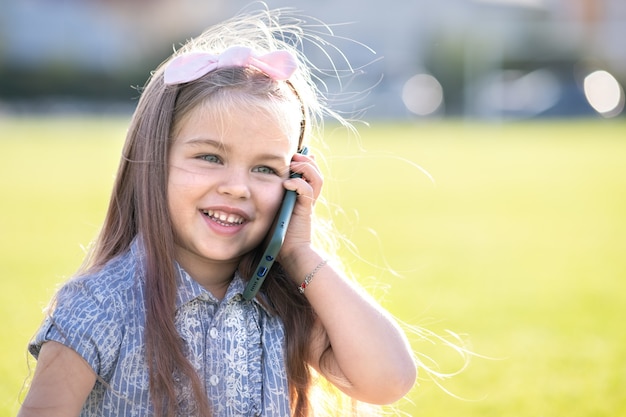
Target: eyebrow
[(204, 141), (218, 144)]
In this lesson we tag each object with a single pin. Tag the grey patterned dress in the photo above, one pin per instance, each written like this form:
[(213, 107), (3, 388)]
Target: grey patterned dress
[(235, 345)]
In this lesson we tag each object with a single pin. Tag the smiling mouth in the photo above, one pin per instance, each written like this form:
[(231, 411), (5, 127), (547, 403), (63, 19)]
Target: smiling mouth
[(222, 218)]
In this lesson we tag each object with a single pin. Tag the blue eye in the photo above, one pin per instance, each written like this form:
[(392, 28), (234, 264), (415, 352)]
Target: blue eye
[(210, 158), (264, 170)]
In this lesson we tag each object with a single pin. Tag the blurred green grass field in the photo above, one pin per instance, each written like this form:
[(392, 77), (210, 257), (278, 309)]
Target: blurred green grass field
[(518, 243)]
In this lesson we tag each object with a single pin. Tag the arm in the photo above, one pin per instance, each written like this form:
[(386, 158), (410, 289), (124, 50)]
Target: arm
[(369, 357), (61, 383)]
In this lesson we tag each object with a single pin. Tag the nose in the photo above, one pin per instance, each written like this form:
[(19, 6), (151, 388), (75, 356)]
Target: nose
[(235, 184)]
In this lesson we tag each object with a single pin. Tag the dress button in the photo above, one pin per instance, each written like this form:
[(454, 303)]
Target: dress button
[(214, 380), (213, 333)]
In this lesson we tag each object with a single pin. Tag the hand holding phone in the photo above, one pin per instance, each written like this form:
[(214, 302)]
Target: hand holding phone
[(275, 242)]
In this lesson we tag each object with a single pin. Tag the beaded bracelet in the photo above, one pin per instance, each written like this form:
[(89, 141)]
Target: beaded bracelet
[(308, 277)]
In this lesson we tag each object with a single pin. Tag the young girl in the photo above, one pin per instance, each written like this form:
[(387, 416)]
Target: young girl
[(155, 323)]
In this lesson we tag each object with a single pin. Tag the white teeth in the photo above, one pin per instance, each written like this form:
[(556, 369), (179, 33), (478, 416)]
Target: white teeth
[(223, 217)]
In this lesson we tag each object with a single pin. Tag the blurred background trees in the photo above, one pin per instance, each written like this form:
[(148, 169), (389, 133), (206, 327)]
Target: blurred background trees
[(488, 59)]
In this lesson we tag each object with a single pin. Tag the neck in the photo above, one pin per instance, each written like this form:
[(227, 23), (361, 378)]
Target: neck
[(215, 277)]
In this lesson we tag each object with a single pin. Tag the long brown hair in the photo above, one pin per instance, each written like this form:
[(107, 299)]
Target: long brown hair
[(138, 205)]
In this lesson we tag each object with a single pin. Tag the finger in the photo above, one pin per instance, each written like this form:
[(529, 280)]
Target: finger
[(307, 168), (312, 177), (300, 186), (308, 159), (306, 194)]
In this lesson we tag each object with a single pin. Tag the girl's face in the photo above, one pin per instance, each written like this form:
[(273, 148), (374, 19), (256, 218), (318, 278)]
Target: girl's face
[(225, 185)]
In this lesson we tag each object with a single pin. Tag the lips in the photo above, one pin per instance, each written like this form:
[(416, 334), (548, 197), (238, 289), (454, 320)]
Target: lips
[(224, 218)]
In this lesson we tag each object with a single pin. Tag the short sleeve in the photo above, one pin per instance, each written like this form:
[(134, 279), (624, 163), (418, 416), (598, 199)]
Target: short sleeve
[(86, 320)]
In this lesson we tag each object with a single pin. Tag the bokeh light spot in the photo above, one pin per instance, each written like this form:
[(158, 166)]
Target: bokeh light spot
[(422, 94), (604, 93)]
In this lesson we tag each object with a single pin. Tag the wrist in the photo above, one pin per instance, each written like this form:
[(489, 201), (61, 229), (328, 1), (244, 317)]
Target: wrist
[(299, 263), (309, 277)]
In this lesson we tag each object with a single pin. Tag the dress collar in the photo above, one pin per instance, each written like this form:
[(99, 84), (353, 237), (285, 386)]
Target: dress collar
[(189, 289)]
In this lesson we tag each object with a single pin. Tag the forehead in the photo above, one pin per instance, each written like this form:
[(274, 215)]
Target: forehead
[(228, 111), (235, 124)]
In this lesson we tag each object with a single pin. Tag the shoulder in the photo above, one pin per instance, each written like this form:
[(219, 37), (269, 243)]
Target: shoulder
[(93, 313), (118, 281)]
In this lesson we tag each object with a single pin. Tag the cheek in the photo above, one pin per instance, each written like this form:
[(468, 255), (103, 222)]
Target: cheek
[(179, 195), (174, 208), (173, 194), (270, 200)]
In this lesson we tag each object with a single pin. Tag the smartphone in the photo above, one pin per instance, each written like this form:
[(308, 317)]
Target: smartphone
[(275, 241)]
